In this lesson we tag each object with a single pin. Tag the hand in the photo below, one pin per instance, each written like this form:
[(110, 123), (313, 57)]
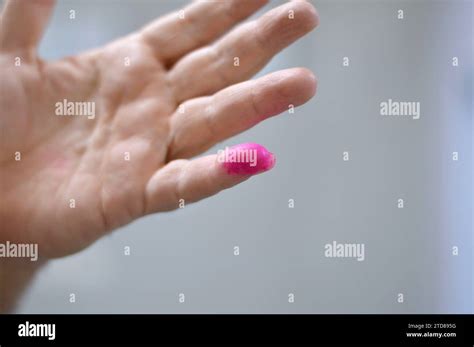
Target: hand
[(160, 96)]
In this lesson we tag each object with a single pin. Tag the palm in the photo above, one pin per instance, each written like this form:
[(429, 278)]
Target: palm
[(79, 178), (103, 164)]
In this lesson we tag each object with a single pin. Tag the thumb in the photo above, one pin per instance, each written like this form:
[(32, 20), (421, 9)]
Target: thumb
[(23, 23)]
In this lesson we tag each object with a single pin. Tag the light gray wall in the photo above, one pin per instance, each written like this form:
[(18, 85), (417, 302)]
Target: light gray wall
[(407, 250)]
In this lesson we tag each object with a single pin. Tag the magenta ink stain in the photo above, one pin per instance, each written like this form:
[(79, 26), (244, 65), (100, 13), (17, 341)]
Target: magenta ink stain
[(246, 159)]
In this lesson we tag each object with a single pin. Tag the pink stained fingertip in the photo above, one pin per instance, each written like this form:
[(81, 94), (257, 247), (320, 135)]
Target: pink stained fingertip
[(246, 159)]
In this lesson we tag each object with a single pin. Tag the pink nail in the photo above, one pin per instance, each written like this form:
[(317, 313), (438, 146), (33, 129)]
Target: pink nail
[(246, 159)]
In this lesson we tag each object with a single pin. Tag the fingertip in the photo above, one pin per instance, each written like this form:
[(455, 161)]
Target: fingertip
[(297, 85), (307, 14), (306, 84), (246, 159)]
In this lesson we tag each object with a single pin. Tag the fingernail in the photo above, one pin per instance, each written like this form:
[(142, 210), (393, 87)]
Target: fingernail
[(246, 159)]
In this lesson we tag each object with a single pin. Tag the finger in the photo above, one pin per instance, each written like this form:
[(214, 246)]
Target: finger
[(241, 53), (209, 120), (186, 181), (23, 23), (198, 24)]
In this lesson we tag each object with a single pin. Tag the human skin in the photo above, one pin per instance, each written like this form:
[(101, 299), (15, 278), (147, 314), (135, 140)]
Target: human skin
[(180, 95)]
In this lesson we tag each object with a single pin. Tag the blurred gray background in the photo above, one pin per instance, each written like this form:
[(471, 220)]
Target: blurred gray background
[(407, 251)]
